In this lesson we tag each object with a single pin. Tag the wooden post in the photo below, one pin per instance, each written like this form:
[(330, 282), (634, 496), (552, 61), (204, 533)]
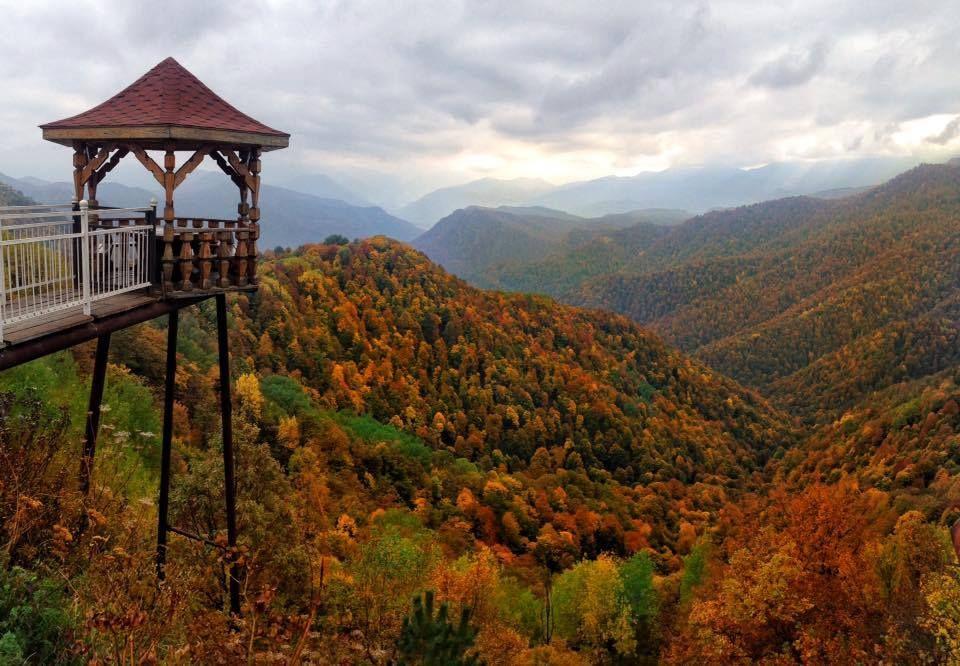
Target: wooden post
[(92, 181), (95, 156), (254, 215), (169, 162), (169, 178), (167, 442), (240, 250), (93, 411), (230, 484), (79, 162)]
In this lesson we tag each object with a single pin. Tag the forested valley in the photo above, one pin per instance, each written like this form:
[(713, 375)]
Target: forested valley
[(588, 492), (815, 303)]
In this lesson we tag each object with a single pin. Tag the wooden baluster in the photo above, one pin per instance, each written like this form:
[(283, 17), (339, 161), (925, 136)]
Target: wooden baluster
[(166, 260), (215, 240), (186, 256), (196, 248), (205, 257)]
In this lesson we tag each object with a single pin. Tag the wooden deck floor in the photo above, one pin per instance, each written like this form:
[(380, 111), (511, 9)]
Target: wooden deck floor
[(14, 334)]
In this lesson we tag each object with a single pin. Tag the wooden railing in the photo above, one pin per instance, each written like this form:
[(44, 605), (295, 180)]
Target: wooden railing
[(202, 254)]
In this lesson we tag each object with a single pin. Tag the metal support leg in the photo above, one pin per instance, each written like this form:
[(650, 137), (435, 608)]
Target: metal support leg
[(93, 411), (166, 442), (226, 413)]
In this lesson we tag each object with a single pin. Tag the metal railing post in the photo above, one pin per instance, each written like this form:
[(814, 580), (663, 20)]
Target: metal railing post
[(153, 269), (75, 207), (85, 255), (44, 270)]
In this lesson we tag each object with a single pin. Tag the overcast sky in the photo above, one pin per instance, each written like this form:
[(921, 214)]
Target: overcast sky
[(433, 93)]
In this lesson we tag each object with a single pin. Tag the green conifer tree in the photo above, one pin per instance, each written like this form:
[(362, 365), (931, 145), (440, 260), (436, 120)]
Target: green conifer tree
[(432, 640)]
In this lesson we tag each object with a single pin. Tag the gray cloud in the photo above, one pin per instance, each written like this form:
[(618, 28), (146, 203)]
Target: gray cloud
[(793, 68), (427, 93)]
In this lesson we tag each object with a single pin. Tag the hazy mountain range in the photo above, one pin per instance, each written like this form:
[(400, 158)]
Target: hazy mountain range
[(309, 207), (490, 192), (700, 189), (110, 193), (696, 189), (291, 219)]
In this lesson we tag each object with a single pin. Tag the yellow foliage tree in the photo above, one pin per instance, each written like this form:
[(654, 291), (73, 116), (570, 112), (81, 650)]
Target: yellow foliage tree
[(288, 432), (249, 395)]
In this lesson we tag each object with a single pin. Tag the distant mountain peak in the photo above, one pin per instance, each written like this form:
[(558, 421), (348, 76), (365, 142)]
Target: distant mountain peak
[(486, 192)]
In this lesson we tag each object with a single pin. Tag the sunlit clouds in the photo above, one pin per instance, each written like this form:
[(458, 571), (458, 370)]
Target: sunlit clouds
[(413, 96)]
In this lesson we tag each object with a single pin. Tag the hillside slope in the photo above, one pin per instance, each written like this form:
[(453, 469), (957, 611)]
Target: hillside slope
[(398, 430), (12, 197), (403, 341), (814, 302), (480, 243), (639, 250)]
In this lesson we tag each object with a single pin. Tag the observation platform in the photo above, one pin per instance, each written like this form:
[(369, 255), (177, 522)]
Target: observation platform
[(70, 273)]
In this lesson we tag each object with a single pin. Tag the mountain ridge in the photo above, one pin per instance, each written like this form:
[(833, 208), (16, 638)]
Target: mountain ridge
[(487, 192), (470, 241), (780, 294)]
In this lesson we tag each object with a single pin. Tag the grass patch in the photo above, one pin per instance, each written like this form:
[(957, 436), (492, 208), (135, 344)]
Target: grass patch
[(290, 396)]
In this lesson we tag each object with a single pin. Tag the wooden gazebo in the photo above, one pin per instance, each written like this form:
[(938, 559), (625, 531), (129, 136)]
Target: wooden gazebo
[(76, 272), (168, 109)]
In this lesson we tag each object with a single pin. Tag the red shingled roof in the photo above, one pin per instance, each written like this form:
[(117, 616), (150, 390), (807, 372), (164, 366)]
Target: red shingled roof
[(167, 95)]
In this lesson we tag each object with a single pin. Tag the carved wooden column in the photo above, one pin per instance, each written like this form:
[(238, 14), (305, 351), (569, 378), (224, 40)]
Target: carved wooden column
[(91, 179), (240, 255), (254, 215), (79, 163), (168, 260)]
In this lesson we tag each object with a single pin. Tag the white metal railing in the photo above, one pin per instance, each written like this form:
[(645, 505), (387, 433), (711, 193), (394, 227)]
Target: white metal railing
[(54, 258)]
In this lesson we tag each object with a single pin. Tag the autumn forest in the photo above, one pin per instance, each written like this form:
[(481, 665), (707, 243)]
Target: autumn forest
[(732, 439)]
